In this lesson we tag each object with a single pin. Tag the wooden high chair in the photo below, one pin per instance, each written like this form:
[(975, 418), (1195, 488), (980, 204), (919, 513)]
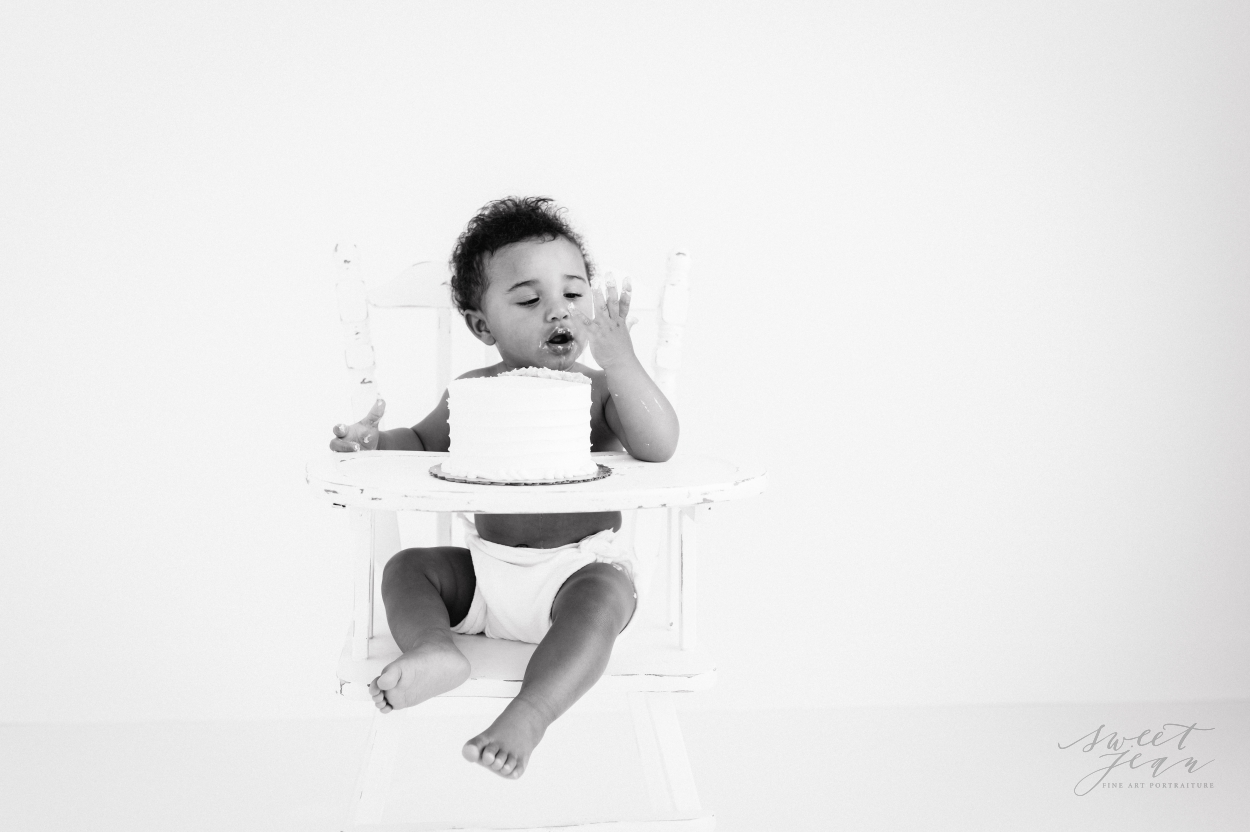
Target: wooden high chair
[(661, 659)]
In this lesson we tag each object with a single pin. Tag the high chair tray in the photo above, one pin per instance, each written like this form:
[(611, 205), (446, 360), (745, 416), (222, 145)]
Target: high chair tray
[(400, 480)]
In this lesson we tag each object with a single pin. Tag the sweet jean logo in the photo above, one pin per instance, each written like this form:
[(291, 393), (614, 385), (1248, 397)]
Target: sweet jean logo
[(1119, 748)]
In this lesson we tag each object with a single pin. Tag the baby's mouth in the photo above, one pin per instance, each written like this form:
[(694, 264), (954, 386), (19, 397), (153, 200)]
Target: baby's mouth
[(561, 343)]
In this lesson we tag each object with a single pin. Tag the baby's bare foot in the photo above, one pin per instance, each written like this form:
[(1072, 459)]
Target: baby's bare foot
[(505, 747), (426, 671)]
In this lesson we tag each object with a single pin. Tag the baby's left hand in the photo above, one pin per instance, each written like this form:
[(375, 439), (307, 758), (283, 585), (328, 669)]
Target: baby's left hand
[(609, 329)]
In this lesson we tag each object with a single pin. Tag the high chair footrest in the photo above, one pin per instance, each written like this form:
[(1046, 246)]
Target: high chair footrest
[(646, 660)]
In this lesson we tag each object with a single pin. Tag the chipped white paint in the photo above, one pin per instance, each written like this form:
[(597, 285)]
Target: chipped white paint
[(354, 317)]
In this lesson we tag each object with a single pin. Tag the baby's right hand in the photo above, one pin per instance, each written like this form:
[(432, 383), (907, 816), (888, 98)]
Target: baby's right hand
[(363, 436)]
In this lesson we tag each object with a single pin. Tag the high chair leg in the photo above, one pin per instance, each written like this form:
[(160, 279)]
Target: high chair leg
[(369, 798), (670, 783)]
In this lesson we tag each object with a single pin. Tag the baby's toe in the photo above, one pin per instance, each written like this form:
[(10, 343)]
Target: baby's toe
[(488, 755), (509, 765)]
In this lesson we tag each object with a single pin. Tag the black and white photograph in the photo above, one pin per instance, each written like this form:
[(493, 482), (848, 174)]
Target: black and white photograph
[(684, 415)]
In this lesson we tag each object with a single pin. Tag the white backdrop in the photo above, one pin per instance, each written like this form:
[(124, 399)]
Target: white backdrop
[(972, 279)]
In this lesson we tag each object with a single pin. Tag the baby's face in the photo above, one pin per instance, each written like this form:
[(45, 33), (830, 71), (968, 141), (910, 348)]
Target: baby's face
[(526, 304)]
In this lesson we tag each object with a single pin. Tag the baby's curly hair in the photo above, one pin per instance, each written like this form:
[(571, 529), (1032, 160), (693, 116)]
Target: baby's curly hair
[(497, 224)]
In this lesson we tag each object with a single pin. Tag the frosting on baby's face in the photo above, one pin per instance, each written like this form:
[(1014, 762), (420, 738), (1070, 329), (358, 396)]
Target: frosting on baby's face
[(527, 309)]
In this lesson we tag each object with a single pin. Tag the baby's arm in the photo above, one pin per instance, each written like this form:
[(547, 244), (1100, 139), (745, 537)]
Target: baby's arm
[(430, 434), (400, 439), (637, 410)]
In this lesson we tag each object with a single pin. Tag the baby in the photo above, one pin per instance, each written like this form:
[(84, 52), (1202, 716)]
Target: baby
[(522, 281)]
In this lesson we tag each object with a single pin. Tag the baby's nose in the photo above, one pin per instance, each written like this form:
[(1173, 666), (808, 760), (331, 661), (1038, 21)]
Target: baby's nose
[(557, 311)]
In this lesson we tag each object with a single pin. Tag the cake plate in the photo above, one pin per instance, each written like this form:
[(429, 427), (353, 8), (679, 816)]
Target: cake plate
[(437, 471)]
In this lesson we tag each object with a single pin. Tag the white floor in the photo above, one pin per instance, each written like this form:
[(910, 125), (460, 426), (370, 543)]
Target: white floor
[(938, 768)]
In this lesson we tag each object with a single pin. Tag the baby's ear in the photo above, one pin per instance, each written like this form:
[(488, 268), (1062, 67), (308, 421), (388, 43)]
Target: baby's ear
[(478, 326)]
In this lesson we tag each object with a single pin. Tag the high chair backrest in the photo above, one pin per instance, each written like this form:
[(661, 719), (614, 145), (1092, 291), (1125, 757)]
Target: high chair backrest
[(659, 306)]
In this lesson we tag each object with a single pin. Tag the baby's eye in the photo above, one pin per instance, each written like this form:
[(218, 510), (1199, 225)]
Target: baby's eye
[(572, 295), (528, 303)]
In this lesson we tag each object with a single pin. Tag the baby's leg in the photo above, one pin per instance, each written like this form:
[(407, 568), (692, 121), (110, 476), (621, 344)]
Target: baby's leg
[(425, 591), (590, 610)]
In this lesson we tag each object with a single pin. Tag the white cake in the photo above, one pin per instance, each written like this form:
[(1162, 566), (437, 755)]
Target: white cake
[(529, 424)]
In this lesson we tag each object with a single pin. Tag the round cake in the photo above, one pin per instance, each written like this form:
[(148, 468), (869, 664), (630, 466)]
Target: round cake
[(531, 424)]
